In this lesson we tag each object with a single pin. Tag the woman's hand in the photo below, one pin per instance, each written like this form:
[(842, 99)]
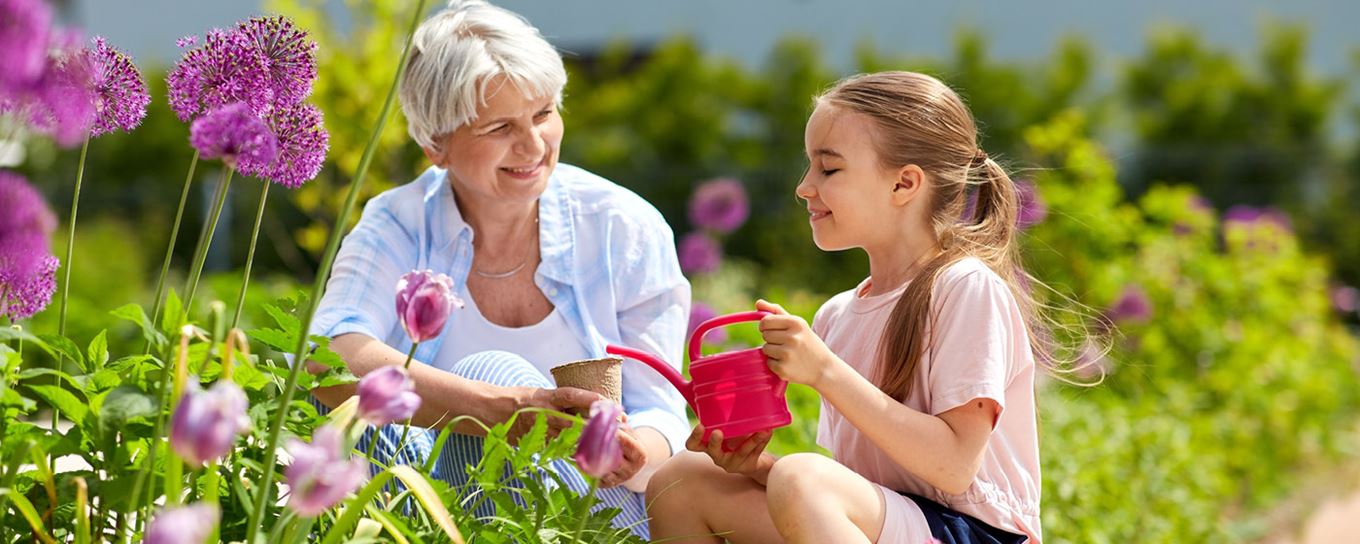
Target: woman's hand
[(562, 399), (796, 353), (748, 459), (634, 457)]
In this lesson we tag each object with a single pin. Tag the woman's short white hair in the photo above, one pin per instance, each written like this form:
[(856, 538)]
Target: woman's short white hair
[(455, 56)]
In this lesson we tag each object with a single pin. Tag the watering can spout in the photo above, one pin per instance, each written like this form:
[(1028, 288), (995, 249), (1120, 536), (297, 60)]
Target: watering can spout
[(685, 388)]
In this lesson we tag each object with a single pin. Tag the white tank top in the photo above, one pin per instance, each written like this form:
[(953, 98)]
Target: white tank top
[(545, 344)]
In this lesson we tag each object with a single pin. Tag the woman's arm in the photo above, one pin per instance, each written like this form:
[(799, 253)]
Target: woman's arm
[(445, 396)]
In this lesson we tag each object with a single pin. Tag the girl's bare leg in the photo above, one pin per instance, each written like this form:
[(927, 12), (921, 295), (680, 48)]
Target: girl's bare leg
[(692, 500), (812, 498)]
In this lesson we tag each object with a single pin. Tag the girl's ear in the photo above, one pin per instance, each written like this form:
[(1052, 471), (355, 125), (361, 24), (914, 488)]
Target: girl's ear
[(911, 182)]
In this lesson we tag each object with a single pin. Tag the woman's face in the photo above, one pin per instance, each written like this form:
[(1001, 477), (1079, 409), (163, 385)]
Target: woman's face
[(508, 152)]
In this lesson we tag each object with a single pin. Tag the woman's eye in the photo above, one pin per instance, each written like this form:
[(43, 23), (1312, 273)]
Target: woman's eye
[(499, 129), (542, 114)]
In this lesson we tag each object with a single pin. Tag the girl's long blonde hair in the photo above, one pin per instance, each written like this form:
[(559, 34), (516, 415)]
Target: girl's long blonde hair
[(921, 121)]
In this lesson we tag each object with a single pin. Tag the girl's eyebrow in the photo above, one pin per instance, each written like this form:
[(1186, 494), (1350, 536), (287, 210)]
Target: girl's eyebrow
[(826, 151)]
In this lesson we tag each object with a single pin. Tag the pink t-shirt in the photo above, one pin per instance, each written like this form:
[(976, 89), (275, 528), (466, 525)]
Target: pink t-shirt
[(980, 349)]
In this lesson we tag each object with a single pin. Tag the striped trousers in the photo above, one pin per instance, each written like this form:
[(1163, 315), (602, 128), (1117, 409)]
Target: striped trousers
[(459, 451)]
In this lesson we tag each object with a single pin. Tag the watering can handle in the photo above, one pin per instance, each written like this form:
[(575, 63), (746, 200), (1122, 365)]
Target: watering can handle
[(697, 339)]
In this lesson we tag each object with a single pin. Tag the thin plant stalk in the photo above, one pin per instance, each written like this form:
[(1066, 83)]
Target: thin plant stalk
[(170, 247), (401, 444), (264, 496), (205, 242), (66, 274), (250, 255)]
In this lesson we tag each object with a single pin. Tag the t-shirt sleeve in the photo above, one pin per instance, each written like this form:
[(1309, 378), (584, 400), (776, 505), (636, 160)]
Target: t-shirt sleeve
[(972, 353)]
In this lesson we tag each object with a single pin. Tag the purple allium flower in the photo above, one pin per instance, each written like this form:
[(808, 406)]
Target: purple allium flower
[(227, 68), (62, 102), (24, 33), (1248, 215), (206, 423), (303, 142), (698, 253), (1132, 306), (289, 54), (25, 209), (598, 453), (182, 524), (387, 395), (321, 473), (120, 94), (699, 313), (719, 205), (1032, 209), (27, 268), (235, 134), (186, 41), (1345, 299), (424, 302), (28, 275)]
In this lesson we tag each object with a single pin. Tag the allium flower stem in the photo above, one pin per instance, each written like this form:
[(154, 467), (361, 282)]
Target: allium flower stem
[(66, 276), (250, 254), (174, 467), (205, 241), (264, 497), (170, 247)]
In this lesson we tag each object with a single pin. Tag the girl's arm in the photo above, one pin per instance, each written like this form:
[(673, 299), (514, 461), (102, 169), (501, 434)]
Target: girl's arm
[(944, 450)]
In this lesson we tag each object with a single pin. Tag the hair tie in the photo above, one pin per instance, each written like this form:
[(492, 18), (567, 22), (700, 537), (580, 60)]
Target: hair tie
[(979, 159)]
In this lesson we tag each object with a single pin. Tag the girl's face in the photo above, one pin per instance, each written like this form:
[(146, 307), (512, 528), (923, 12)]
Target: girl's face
[(848, 192), (509, 151)]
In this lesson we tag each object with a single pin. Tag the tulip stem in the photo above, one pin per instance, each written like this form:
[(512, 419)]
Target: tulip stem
[(407, 429), (170, 247), (250, 255), (266, 482)]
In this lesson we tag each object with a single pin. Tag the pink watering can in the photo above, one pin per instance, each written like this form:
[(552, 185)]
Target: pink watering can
[(735, 392)]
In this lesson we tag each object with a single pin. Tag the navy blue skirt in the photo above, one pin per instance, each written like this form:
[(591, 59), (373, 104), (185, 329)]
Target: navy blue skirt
[(952, 527)]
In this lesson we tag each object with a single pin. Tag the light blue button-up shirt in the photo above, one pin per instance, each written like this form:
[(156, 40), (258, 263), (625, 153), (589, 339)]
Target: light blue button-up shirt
[(607, 263)]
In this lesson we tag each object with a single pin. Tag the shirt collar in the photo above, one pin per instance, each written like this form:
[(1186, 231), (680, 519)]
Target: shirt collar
[(556, 232)]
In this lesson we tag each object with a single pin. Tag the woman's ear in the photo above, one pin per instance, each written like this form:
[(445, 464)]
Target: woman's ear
[(911, 182), (435, 156)]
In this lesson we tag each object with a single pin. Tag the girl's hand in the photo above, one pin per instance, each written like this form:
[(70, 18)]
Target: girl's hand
[(796, 353), (748, 459)]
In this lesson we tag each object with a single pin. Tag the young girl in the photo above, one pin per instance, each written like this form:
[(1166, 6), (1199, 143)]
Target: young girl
[(926, 369)]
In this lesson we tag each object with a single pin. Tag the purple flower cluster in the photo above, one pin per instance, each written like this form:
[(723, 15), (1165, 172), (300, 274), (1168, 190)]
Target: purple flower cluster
[(27, 268), (58, 87), (1032, 209), (120, 94), (719, 205), (321, 473), (1132, 306), (237, 136), (699, 253), (268, 65), (1252, 216)]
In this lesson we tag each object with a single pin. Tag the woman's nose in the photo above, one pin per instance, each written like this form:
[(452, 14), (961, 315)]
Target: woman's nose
[(530, 144)]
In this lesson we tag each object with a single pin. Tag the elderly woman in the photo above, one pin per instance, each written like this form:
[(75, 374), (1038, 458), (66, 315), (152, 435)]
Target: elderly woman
[(553, 262)]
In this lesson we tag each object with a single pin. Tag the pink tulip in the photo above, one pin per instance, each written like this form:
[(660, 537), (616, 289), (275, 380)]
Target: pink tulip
[(206, 423), (387, 395), (182, 525), (424, 302), (321, 474), (598, 453)]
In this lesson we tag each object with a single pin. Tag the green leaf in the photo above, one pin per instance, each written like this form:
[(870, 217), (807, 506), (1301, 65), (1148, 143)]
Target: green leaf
[(10, 397), (135, 314), (172, 317), (286, 321), (26, 509), (124, 403), (8, 334), (63, 400), (66, 348), (337, 377), (323, 354), (275, 338), (249, 377), (98, 352), (30, 373)]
